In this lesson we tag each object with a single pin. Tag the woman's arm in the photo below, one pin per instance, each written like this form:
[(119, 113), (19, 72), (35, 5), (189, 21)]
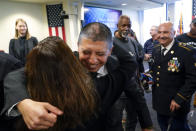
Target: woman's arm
[(11, 48)]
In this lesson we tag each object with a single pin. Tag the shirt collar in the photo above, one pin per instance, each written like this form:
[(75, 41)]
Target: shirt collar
[(168, 47), (102, 71)]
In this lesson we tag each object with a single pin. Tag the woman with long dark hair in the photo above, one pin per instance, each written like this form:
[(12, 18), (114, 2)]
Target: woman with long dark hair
[(55, 75)]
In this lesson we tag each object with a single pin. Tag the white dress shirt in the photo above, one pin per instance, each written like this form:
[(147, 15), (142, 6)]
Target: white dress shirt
[(168, 47)]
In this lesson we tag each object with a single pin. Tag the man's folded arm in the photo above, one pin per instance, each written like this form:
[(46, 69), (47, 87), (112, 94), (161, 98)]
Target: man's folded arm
[(14, 91)]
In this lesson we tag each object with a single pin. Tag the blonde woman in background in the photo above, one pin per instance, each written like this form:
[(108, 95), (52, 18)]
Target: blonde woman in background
[(23, 42)]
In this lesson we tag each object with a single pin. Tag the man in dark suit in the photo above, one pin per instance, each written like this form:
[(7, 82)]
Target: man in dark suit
[(174, 74), (7, 64), (95, 46)]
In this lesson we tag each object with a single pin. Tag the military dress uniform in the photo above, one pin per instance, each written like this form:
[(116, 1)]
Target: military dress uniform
[(174, 76)]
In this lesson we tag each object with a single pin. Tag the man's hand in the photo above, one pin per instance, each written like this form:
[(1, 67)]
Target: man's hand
[(174, 106), (38, 115), (147, 57)]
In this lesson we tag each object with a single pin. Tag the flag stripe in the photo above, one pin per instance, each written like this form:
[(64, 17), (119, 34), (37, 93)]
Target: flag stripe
[(50, 31), (53, 32), (63, 32), (60, 32), (56, 30)]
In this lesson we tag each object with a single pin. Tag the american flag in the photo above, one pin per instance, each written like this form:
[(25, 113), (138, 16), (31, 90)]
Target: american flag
[(194, 9), (55, 22), (180, 26)]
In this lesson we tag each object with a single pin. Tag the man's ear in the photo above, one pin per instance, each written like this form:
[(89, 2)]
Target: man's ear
[(110, 51), (174, 32)]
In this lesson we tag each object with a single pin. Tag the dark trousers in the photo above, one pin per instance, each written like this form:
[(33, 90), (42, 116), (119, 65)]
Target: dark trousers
[(114, 116), (177, 123)]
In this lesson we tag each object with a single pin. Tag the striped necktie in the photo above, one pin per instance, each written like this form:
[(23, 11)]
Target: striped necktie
[(162, 52)]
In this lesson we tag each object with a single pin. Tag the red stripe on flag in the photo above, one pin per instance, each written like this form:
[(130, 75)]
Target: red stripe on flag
[(193, 17), (57, 31), (50, 31), (63, 31)]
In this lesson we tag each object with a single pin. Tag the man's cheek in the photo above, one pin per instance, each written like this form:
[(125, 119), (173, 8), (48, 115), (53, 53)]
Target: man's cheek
[(83, 57)]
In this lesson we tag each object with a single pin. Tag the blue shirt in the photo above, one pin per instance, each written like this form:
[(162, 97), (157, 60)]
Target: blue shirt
[(148, 46)]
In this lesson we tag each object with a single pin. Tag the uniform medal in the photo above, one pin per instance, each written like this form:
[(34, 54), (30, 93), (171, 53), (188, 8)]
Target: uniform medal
[(173, 65)]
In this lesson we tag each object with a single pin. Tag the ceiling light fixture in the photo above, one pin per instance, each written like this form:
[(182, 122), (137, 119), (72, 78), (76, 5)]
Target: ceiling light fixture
[(123, 4), (86, 9)]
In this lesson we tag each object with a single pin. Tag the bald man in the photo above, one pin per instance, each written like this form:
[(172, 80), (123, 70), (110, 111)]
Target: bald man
[(174, 74), (148, 45)]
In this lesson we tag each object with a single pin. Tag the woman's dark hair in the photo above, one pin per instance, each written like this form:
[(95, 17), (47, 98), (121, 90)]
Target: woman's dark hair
[(55, 75)]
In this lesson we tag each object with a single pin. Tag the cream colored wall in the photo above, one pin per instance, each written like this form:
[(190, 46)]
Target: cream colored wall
[(32, 13)]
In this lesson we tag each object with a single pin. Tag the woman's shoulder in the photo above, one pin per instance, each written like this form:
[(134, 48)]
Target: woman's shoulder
[(33, 38), (12, 40)]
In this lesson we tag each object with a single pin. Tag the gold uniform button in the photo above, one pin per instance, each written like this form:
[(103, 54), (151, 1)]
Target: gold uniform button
[(158, 73), (157, 85), (159, 67), (157, 79)]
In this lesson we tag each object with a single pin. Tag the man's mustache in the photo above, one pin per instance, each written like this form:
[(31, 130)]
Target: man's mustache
[(162, 38)]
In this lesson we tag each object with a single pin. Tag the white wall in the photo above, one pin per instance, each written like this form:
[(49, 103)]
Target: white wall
[(32, 13), (152, 17)]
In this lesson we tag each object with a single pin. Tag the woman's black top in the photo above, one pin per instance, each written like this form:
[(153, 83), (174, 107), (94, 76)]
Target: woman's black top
[(19, 48)]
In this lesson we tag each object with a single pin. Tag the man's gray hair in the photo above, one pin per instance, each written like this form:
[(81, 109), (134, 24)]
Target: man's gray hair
[(96, 32)]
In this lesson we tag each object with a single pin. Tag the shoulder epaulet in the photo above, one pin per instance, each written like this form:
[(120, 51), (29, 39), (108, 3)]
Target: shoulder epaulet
[(185, 46), (157, 45)]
